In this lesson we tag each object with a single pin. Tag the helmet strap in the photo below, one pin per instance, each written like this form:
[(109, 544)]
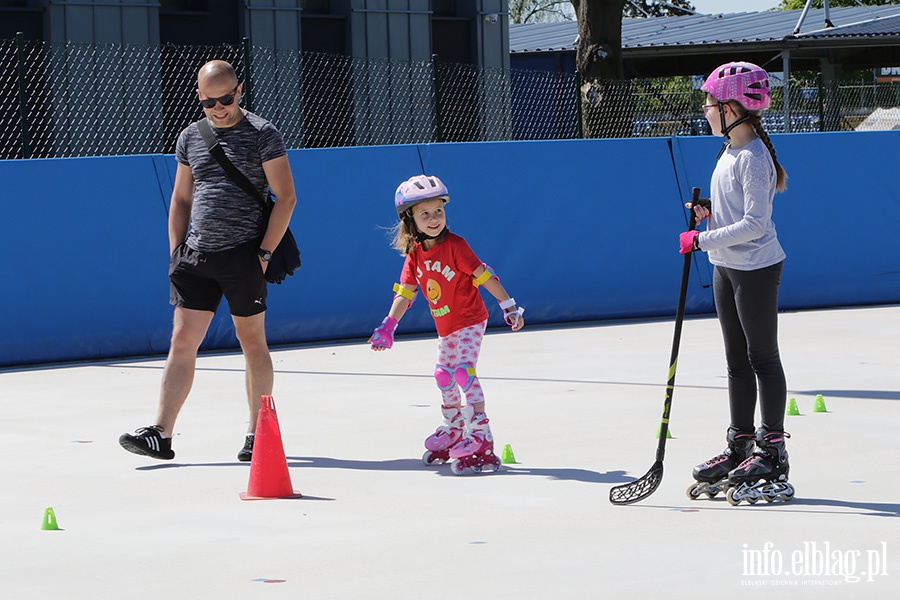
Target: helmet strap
[(421, 237), (722, 150), (741, 120), (726, 129)]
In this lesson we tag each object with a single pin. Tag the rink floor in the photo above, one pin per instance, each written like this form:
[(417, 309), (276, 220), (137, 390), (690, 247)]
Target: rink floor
[(578, 405)]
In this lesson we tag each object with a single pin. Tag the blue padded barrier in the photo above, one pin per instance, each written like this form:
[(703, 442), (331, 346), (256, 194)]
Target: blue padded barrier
[(84, 274), (577, 230), (838, 218)]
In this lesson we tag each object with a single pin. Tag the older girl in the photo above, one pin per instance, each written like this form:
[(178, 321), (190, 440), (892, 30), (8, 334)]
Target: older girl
[(748, 259)]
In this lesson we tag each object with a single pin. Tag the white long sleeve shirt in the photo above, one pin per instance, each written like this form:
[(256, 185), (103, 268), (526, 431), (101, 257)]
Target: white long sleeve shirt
[(741, 234)]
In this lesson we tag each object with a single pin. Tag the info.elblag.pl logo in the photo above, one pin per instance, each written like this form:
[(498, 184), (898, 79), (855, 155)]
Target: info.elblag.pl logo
[(812, 564)]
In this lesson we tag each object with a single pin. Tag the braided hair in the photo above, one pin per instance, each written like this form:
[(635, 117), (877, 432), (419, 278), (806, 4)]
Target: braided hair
[(780, 173)]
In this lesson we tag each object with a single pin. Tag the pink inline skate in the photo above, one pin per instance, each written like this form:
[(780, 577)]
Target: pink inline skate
[(438, 444), (476, 448)]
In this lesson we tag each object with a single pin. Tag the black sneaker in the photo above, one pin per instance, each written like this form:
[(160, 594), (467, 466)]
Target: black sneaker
[(148, 442), (246, 453)]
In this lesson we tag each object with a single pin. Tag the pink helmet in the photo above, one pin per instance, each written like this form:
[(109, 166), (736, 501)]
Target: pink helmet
[(740, 81), (418, 189)]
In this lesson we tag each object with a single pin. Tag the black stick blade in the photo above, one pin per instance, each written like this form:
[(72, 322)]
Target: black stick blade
[(635, 491)]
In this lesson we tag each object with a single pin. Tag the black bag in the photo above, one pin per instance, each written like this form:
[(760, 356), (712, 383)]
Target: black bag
[(286, 257)]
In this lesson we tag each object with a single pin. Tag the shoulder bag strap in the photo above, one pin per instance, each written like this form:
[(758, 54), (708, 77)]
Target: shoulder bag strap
[(212, 144)]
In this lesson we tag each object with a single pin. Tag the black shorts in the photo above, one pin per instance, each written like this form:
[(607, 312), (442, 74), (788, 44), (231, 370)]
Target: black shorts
[(200, 279)]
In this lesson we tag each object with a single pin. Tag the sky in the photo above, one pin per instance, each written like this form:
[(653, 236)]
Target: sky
[(732, 6)]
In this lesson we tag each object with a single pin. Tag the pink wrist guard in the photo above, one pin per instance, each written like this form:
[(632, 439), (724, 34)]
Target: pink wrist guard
[(510, 313), (383, 336)]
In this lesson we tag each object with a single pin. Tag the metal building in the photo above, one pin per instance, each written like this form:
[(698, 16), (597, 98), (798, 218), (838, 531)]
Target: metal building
[(474, 32), (146, 53)]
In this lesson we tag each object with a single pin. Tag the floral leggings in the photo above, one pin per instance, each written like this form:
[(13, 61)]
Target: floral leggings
[(458, 355)]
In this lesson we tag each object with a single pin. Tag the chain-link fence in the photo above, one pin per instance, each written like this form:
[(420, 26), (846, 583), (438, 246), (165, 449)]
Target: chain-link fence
[(61, 100)]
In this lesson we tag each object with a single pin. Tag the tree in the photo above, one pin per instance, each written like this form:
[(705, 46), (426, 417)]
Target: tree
[(550, 11), (651, 8), (800, 4), (605, 96), (599, 49), (540, 11)]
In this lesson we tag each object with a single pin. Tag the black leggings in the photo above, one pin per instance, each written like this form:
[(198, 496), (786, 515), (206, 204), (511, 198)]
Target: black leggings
[(747, 305)]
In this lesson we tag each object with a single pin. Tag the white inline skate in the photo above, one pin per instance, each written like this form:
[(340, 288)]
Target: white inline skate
[(764, 475), (476, 448), (446, 436)]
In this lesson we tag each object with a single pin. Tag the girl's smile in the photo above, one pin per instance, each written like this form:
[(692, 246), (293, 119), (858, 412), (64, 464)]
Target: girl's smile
[(430, 217)]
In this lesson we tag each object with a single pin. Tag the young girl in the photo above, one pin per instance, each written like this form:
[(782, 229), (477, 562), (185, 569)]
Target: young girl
[(748, 260), (445, 268)]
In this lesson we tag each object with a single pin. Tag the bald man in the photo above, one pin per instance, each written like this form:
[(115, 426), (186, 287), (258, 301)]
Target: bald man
[(220, 244)]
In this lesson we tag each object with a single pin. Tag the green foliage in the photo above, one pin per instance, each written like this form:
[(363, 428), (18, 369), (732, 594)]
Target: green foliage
[(665, 94)]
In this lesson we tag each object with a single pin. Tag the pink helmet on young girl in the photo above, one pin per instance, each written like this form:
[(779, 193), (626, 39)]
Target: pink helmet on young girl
[(740, 81), (419, 188)]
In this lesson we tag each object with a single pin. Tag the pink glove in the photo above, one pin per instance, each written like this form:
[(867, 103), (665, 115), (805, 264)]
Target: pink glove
[(686, 241), (383, 336)]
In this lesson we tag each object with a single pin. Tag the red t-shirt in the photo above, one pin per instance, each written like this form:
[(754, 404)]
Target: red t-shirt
[(444, 275)]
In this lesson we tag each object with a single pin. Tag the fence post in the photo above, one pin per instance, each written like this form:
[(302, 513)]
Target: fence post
[(436, 85), (248, 78), (821, 95), (786, 88), (23, 94), (579, 125)]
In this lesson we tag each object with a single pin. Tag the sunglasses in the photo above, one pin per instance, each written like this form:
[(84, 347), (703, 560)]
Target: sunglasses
[(226, 100)]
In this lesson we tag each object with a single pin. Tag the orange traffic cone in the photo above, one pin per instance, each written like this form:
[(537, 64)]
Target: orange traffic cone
[(269, 476)]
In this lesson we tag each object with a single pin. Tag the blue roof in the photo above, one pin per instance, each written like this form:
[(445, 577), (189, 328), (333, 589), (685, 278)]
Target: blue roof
[(706, 30)]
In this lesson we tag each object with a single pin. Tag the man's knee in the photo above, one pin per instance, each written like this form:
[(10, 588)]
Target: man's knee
[(189, 329), (251, 332)]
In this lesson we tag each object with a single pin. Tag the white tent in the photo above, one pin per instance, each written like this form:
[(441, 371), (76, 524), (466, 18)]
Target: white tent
[(881, 119)]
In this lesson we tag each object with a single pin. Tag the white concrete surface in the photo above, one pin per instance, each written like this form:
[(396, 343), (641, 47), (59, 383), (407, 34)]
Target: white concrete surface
[(578, 405)]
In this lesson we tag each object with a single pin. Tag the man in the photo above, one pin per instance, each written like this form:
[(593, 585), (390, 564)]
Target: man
[(218, 247)]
